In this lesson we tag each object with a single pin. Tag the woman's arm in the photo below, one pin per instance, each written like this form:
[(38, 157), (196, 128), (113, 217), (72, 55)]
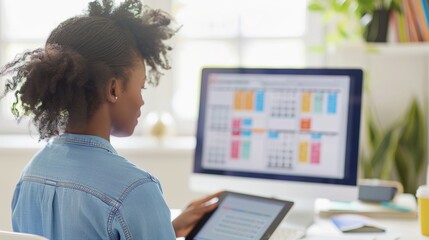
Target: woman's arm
[(184, 223)]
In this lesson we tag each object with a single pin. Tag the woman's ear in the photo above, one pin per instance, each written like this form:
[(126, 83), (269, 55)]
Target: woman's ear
[(113, 89)]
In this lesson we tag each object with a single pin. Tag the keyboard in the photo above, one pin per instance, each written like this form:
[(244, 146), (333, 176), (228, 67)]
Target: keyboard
[(287, 233)]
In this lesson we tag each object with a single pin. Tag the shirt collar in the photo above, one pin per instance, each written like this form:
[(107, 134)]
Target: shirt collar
[(87, 140)]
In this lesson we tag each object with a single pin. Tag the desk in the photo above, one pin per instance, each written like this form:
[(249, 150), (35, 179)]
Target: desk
[(324, 229), (398, 229)]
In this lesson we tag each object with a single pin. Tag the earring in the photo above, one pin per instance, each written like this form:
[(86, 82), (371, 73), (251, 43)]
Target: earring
[(116, 98)]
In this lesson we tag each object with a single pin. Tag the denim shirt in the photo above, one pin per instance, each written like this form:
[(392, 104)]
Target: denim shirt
[(77, 187)]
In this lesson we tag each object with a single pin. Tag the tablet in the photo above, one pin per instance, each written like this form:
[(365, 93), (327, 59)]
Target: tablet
[(241, 216)]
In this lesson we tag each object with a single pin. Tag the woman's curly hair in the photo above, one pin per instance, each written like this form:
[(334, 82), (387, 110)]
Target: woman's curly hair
[(61, 84)]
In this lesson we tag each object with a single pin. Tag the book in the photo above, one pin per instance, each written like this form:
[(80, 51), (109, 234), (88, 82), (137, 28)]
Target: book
[(400, 27), (412, 31), (417, 8), (352, 223), (402, 206), (425, 4)]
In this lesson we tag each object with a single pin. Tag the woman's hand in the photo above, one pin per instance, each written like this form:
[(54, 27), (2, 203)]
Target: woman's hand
[(184, 223)]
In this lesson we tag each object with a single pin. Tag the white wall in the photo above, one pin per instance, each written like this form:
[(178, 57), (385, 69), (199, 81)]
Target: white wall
[(394, 75), (170, 161)]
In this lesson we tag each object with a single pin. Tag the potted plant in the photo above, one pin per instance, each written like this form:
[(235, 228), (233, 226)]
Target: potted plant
[(398, 151), (356, 19)]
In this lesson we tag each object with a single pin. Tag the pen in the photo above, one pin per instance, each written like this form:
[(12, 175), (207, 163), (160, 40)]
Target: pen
[(395, 207)]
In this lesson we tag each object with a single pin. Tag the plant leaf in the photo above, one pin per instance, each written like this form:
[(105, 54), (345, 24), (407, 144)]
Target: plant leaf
[(316, 7), (382, 155), (411, 153)]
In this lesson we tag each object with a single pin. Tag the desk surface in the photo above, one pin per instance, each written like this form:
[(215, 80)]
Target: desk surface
[(396, 229), (324, 229)]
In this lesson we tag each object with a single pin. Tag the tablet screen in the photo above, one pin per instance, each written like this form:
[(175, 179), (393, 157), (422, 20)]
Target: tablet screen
[(241, 216)]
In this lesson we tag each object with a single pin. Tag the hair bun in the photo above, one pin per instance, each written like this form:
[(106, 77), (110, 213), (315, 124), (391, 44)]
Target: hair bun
[(60, 65), (129, 9)]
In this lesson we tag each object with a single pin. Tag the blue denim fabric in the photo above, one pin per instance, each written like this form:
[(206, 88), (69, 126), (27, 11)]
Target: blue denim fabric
[(77, 187)]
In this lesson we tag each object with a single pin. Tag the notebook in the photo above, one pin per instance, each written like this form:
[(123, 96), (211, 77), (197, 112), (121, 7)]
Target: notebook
[(352, 223), (241, 216), (403, 206)]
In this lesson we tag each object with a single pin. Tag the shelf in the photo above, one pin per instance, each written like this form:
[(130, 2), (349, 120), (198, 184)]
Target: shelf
[(408, 48), (421, 48), (168, 145)]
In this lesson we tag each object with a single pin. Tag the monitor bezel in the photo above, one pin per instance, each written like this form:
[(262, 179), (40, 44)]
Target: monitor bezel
[(353, 124)]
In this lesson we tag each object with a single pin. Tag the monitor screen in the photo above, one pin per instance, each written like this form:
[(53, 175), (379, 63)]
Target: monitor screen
[(285, 124)]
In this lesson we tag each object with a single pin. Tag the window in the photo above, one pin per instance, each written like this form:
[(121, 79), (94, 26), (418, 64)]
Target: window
[(245, 33), (25, 25), (239, 33)]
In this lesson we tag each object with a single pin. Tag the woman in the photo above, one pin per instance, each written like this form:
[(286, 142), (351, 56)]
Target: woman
[(81, 88)]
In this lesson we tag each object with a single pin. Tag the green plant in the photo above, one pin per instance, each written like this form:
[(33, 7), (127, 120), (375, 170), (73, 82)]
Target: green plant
[(349, 19), (399, 151)]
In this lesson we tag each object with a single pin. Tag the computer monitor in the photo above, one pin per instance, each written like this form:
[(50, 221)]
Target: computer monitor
[(285, 133)]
